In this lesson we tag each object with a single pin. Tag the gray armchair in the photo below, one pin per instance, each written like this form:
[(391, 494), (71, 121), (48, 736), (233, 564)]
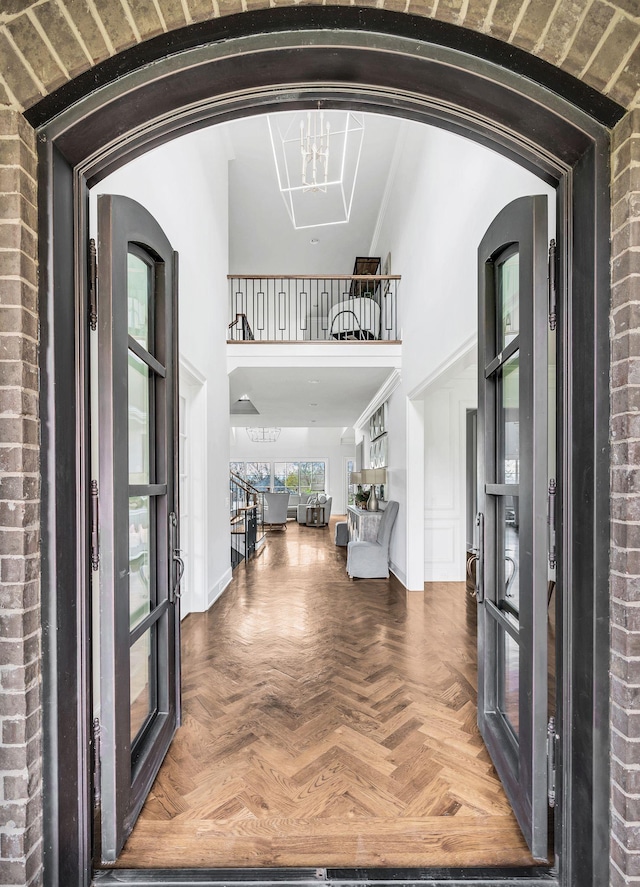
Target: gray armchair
[(370, 560), (301, 509), (275, 512)]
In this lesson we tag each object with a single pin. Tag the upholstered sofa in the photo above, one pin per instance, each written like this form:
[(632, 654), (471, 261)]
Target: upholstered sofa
[(295, 499)]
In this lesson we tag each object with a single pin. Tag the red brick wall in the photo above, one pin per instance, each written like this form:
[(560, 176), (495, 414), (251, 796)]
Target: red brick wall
[(20, 717)]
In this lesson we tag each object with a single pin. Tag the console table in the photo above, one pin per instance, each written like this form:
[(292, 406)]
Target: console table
[(363, 525)]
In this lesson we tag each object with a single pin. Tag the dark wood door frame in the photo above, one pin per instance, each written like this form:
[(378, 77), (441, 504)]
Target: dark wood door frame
[(377, 61)]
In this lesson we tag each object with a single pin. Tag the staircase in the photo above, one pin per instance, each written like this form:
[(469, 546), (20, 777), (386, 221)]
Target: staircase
[(246, 518)]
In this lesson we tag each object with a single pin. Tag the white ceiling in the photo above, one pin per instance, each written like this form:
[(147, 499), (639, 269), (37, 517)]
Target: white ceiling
[(262, 240), (329, 397)]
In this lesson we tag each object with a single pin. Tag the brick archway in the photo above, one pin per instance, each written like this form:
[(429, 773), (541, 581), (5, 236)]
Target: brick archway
[(45, 45)]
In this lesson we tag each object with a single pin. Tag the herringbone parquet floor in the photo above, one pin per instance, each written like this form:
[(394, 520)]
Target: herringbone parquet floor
[(327, 723)]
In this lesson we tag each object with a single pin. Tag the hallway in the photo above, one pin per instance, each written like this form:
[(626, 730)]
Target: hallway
[(327, 723)]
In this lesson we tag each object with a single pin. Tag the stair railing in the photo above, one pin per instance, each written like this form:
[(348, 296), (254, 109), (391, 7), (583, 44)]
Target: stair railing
[(241, 495)]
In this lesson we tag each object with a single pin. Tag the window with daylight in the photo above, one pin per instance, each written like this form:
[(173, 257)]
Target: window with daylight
[(258, 474), (295, 477), (299, 477)]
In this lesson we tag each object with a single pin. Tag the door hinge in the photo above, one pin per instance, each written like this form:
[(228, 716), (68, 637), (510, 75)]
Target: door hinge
[(551, 522), (552, 738), (93, 285), (95, 543), (553, 287), (96, 762)]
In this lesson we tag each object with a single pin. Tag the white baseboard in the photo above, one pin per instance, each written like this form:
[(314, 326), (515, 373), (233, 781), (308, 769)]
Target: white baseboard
[(443, 573), (219, 587), (398, 573)]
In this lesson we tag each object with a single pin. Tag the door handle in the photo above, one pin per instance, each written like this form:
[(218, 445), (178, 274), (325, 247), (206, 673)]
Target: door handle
[(479, 553), (551, 522), (512, 565), (178, 560), (175, 593)]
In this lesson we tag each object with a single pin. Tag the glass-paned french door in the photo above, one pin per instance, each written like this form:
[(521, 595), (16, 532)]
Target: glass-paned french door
[(139, 625), (512, 572)]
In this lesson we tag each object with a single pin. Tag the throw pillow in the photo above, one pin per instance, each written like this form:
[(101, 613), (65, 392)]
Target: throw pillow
[(322, 499)]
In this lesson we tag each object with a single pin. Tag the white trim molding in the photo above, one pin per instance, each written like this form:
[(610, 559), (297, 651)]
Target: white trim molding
[(197, 378), (382, 395), (459, 359)]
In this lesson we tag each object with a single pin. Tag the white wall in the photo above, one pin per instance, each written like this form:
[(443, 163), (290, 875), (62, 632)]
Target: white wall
[(301, 444), (445, 409), (446, 192), (184, 184), (442, 196)]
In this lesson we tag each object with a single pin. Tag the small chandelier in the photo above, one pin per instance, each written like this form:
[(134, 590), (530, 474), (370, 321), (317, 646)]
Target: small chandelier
[(263, 435), (317, 156), (314, 148)]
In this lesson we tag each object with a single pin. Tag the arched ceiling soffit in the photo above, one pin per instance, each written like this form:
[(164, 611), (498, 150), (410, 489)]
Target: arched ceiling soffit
[(46, 44)]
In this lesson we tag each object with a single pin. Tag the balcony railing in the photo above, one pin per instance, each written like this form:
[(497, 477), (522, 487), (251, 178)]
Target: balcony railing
[(280, 308)]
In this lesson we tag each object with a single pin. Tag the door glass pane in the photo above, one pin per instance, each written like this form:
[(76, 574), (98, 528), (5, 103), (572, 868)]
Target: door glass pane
[(141, 672), (139, 421), (509, 679), (139, 560), (508, 299), (138, 292), (508, 419)]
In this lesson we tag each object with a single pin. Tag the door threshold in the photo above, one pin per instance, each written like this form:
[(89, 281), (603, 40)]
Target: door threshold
[(432, 877)]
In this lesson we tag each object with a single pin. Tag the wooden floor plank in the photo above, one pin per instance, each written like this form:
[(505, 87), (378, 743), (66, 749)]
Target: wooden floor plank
[(327, 722)]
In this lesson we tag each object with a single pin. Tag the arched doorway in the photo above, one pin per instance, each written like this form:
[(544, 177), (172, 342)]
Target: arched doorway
[(335, 59)]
